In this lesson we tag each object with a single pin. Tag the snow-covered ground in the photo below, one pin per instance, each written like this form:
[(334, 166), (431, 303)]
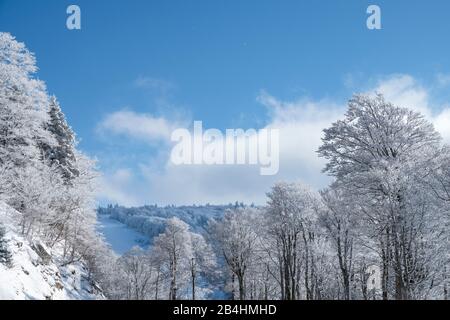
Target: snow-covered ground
[(36, 272), (120, 237)]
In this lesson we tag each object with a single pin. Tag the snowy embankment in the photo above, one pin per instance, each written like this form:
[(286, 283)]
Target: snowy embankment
[(36, 272)]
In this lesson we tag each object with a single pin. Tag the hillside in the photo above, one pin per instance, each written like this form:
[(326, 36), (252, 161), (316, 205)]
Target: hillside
[(36, 272), (119, 236), (151, 220)]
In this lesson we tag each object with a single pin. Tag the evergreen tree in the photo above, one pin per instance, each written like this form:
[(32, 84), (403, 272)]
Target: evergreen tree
[(61, 154), (5, 254)]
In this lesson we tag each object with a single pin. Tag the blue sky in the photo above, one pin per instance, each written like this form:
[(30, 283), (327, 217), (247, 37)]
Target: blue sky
[(230, 64)]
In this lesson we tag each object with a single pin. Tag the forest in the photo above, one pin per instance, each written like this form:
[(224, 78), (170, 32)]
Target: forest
[(380, 230)]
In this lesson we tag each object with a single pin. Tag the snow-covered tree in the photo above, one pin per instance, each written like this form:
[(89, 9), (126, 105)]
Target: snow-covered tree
[(291, 211), (237, 240), (5, 253), (338, 219), (61, 154), (137, 274), (23, 113), (23, 105), (202, 261), (175, 249), (33, 191), (381, 154), (42, 175)]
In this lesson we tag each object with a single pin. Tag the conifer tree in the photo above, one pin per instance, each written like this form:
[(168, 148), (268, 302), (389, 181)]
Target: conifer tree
[(62, 154), (5, 254)]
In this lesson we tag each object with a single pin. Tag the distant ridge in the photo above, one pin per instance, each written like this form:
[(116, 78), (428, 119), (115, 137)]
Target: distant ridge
[(150, 220)]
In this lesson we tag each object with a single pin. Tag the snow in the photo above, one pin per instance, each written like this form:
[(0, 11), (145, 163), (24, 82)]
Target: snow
[(32, 278), (120, 237), (151, 220)]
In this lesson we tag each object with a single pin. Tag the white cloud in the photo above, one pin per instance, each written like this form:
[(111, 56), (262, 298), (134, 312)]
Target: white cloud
[(406, 91), (140, 126), (442, 123), (116, 188), (300, 123)]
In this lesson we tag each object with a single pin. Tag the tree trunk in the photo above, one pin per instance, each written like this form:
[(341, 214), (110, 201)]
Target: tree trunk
[(233, 286), (157, 286), (241, 287), (193, 282)]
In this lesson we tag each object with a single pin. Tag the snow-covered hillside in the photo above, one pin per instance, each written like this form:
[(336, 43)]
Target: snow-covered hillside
[(36, 272), (151, 220), (119, 236)]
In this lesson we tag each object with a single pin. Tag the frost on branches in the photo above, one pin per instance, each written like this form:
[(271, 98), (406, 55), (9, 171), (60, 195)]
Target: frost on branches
[(392, 169), (42, 174), (380, 230)]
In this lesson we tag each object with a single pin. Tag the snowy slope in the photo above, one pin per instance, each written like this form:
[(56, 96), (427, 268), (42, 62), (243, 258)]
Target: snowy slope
[(36, 275), (151, 220), (120, 237)]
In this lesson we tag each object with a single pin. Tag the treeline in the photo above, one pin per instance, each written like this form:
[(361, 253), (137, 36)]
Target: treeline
[(151, 220)]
